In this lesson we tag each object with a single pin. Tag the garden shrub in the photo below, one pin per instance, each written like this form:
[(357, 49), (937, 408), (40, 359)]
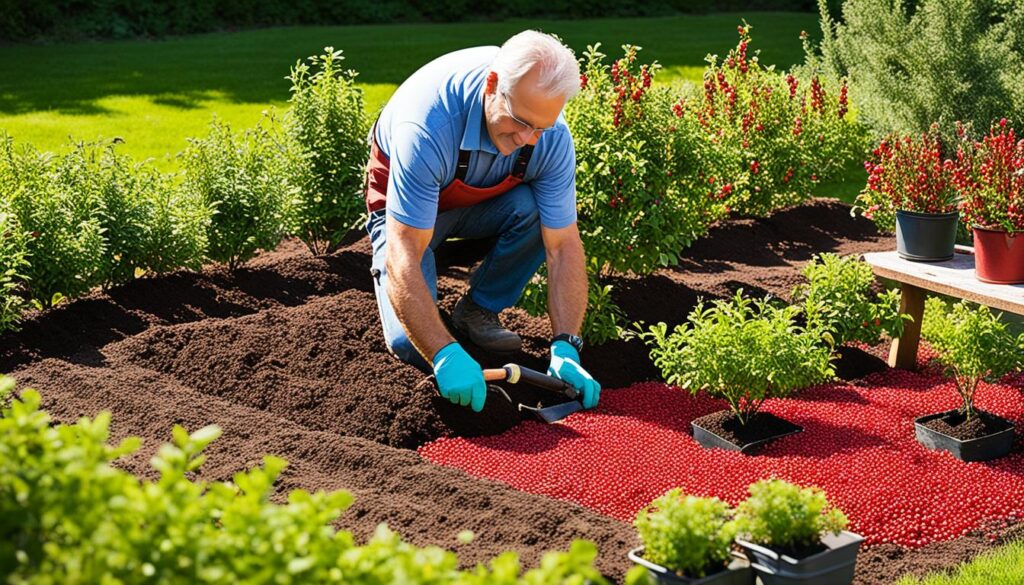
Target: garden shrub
[(328, 127), (175, 224), (56, 203), (914, 63), (785, 516), (639, 205), (773, 137), (972, 344), (838, 300), (71, 516), (12, 267), (686, 534), (741, 350), (243, 179)]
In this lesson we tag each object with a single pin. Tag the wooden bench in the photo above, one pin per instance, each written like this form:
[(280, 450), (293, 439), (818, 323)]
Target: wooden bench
[(954, 278)]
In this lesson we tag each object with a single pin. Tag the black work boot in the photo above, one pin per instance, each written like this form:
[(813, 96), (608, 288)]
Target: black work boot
[(483, 327)]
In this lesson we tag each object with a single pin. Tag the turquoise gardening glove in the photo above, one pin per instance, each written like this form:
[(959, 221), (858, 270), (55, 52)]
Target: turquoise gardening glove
[(565, 365), (459, 378)]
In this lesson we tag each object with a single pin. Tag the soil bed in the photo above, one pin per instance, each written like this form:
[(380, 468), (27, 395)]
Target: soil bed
[(286, 355), (960, 427), (763, 426)]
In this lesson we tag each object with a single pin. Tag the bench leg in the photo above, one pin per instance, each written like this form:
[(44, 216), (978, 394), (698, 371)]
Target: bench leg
[(903, 353)]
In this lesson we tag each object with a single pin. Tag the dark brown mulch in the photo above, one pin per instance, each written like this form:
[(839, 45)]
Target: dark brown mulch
[(763, 426), (287, 356), (853, 363), (958, 426)]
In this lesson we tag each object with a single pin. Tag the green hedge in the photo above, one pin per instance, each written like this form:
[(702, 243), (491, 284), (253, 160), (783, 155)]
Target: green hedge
[(71, 19)]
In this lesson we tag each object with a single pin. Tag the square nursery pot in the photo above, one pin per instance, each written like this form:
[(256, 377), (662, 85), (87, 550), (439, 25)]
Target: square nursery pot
[(833, 566), (991, 446), (775, 428), (738, 572)]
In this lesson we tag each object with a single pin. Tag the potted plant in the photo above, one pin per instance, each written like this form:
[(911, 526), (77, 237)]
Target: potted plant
[(972, 345), (792, 535), (743, 351), (992, 186), (910, 188), (687, 540)]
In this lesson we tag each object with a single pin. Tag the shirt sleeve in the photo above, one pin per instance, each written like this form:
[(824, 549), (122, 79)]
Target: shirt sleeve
[(555, 184), (416, 172)]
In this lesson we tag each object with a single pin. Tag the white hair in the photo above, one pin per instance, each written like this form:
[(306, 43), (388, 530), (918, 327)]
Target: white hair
[(559, 73)]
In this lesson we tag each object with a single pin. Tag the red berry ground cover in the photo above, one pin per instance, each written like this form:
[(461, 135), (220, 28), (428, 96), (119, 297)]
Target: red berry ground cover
[(858, 444)]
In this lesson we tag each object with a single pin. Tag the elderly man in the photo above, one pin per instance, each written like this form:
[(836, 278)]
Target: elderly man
[(474, 145)]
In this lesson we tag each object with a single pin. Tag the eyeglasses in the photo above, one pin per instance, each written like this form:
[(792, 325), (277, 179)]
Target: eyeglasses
[(533, 130)]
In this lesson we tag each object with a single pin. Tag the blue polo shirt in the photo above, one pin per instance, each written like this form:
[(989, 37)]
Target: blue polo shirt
[(438, 111)]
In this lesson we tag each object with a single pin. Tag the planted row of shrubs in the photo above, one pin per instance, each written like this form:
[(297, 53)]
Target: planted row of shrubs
[(71, 516), (657, 166), (655, 170), (95, 218)]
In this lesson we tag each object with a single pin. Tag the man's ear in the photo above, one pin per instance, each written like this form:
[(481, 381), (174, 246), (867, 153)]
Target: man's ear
[(492, 83)]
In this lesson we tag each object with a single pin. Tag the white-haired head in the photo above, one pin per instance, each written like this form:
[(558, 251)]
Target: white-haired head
[(558, 73)]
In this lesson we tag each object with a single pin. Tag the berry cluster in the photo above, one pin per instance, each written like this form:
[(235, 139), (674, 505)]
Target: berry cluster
[(991, 179)]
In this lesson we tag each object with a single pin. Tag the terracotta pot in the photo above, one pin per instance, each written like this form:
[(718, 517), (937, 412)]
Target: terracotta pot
[(998, 255)]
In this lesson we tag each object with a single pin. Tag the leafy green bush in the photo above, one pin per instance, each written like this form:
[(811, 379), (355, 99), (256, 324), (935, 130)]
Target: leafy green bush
[(973, 345), (12, 266), (243, 178), (56, 203), (70, 516), (175, 222), (328, 127), (837, 299), (773, 137), (741, 350), (785, 516), (914, 63), (686, 534)]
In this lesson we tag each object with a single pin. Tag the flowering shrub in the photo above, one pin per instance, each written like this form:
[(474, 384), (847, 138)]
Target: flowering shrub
[(686, 534), (773, 137), (743, 351), (636, 182), (837, 299), (785, 516), (326, 127), (636, 193), (243, 178), (71, 516), (992, 185), (909, 174), (972, 345), (54, 202)]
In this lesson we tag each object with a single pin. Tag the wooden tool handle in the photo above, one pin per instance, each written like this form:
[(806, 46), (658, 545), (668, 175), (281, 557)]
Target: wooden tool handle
[(495, 375)]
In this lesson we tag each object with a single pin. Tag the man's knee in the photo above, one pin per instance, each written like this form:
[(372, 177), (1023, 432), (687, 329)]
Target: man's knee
[(400, 345), (525, 213)]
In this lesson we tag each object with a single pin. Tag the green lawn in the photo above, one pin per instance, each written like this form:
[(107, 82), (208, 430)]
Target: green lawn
[(1002, 566), (155, 94)]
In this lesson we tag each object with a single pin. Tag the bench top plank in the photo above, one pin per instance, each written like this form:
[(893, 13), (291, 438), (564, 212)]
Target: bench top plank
[(954, 278)]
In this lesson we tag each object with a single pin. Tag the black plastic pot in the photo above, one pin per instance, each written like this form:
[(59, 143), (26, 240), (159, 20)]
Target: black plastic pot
[(738, 572), (926, 237), (985, 448), (833, 566), (710, 440)]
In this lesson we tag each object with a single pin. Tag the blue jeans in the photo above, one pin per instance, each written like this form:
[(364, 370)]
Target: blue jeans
[(499, 280)]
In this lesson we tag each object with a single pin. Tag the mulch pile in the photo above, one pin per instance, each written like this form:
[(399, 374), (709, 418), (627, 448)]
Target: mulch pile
[(287, 356)]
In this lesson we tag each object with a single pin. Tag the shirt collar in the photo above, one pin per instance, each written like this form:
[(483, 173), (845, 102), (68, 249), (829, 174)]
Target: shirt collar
[(475, 136)]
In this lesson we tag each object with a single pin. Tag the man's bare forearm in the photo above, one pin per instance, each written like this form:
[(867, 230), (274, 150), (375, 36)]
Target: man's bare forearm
[(415, 308), (567, 288)]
